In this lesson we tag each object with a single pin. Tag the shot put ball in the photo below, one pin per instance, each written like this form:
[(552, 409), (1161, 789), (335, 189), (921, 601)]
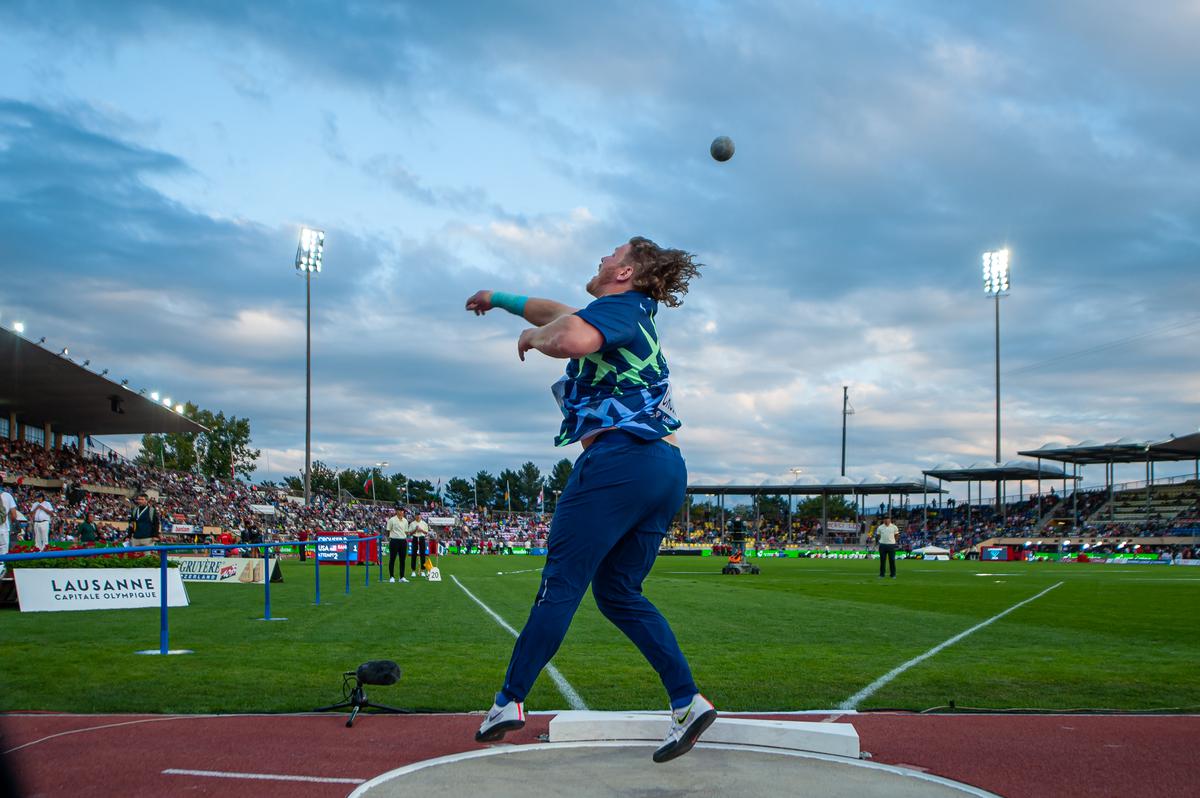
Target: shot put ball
[(721, 148)]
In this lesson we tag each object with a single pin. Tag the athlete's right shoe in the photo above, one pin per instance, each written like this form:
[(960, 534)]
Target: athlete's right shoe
[(687, 725), (392, 580), (501, 720)]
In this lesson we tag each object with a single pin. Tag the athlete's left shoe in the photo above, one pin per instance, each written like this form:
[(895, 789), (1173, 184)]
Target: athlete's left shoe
[(500, 721), (687, 725)]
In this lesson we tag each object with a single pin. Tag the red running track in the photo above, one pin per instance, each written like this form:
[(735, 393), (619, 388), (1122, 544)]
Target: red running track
[(1012, 755)]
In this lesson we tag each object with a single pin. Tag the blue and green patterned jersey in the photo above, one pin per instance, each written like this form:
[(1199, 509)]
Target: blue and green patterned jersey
[(624, 384)]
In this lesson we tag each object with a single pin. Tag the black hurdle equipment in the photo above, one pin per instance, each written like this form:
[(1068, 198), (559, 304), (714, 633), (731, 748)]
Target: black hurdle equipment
[(382, 672)]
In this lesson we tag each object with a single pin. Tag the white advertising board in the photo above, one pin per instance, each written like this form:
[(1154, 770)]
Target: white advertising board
[(63, 589), (221, 569)]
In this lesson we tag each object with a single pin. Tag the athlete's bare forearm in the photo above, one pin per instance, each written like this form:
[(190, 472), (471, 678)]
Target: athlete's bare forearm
[(535, 310), (541, 312)]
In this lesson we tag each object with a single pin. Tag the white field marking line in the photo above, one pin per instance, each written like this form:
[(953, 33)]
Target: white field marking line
[(574, 700), (853, 701), (505, 750), (220, 774), (91, 728), (525, 571)]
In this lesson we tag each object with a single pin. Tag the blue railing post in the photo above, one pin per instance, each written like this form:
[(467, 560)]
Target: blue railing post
[(267, 582), (266, 547), (317, 571), (162, 603), (367, 565), (379, 558), (346, 540)]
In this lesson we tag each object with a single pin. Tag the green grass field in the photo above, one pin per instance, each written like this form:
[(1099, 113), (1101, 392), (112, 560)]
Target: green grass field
[(805, 634)]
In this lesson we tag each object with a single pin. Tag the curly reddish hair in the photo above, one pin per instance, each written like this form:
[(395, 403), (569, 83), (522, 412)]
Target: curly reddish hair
[(661, 273)]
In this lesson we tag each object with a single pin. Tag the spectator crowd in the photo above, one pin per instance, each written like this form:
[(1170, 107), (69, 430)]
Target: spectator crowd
[(92, 499)]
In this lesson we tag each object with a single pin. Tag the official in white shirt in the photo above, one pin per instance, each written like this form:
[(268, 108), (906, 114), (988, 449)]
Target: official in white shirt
[(417, 531), (41, 514), (8, 521), (397, 532), (886, 533)]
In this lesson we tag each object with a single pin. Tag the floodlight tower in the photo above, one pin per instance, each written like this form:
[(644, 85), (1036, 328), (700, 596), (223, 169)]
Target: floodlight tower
[(308, 260), (378, 472), (995, 283)]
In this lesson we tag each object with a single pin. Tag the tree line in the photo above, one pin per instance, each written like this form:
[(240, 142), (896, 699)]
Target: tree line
[(222, 450), (515, 489)]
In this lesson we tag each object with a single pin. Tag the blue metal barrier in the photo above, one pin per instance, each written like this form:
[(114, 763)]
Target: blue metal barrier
[(163, 647)]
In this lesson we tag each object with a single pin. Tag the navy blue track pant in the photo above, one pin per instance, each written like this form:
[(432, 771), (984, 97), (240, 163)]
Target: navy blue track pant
[(607, 527)]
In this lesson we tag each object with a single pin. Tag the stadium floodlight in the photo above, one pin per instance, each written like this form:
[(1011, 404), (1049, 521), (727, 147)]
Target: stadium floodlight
[(995, 272), (310, 250), (309, 254), (64, 352), (178, 408), (378, 468), (167, 402), (19, 326), (154, 395)]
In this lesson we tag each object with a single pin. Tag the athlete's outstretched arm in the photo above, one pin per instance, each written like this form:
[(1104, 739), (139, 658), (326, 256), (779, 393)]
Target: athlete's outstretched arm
[(533, 309), (566, 337)]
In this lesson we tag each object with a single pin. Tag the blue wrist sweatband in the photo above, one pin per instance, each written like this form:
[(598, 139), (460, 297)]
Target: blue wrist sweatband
[(513, 303)]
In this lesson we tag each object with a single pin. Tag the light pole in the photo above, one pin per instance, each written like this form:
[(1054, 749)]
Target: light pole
[(847, 410), (308, 260), (995, 283), (378, 472)]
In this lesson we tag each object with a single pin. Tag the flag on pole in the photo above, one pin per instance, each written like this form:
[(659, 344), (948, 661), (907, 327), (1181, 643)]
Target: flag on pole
[(507, 496), (541, 496), (367, 485)]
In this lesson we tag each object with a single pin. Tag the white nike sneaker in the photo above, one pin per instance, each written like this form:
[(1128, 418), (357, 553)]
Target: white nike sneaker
[(392, 580), (500, 720), (687, 725), (413, 574), (402, 580)]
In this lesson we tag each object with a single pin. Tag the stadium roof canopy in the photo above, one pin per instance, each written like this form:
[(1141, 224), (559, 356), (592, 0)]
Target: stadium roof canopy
[(839, 486), (1013, 470), (41, 387), (1125, 450)]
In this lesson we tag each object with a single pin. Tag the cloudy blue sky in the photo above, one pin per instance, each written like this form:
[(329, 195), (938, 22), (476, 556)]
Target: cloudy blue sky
[(157, 160)]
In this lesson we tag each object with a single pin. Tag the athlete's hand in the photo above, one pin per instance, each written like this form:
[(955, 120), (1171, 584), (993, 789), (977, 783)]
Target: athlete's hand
[(525, 342), (480, 302)]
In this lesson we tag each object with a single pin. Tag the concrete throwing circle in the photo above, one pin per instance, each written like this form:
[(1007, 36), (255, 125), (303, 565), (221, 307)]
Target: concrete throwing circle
[(624, 770)]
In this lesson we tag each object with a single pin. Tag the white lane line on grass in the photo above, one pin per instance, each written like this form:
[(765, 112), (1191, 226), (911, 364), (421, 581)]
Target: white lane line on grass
[(220, 774), (523, 571), (574, 700), (853, 701)]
